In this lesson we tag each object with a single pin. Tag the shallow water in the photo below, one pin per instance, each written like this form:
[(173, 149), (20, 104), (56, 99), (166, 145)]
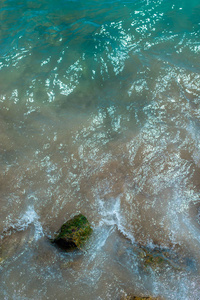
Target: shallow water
[(100, 114)]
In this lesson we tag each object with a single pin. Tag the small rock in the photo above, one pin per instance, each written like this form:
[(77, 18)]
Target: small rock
[(74, 233), (158, 258), (130, 297)]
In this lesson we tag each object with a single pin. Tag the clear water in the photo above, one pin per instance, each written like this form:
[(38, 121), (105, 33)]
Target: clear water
[(99, 114)]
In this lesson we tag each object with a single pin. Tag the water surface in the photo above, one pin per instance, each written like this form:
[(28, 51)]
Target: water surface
[(99, 114)]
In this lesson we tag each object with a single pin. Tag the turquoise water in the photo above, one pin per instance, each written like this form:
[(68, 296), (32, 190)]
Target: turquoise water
[(99, 114)]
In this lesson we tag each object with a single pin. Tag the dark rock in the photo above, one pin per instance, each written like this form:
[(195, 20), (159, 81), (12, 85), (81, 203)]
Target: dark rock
[(74, 233), (131, 297)]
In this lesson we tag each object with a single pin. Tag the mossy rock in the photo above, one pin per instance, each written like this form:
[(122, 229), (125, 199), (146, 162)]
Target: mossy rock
[(74, 233), (130, 297), (153, 258), (158, 258)]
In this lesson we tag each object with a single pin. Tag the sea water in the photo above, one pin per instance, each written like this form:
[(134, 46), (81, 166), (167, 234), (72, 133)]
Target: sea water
[(99, 115)]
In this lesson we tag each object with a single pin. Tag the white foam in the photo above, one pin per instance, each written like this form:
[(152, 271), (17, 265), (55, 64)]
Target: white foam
[(30, 217), (112, 216)]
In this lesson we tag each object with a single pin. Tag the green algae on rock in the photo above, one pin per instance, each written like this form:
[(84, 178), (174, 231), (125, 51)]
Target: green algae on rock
[(130, 297), (159, 258), (153, 258), (74, 233)]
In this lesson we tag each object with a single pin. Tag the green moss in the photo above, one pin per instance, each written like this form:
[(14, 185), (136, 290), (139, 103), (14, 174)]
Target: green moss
[(162, 258), (74, 233), (154, 257)]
